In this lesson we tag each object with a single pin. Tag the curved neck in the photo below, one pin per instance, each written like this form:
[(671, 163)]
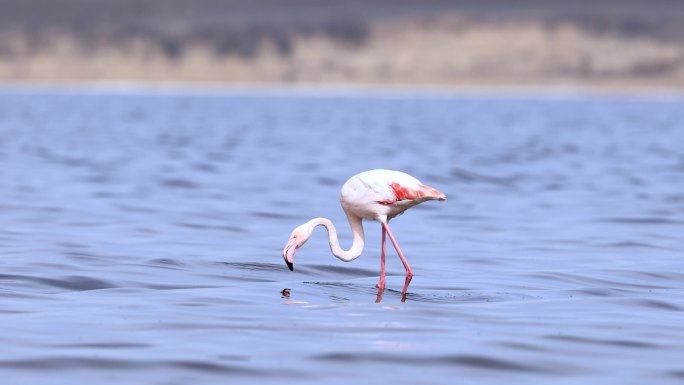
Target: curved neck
[(357, 230)]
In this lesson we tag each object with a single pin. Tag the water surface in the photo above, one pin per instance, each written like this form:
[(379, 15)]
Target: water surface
[(142, 231)]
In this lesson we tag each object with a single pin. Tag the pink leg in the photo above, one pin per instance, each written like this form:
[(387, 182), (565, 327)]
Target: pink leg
[(405, 289), (381, 282), (409, 272)]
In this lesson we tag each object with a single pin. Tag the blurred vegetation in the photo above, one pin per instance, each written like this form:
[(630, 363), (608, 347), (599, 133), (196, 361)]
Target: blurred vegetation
[(613, 43)]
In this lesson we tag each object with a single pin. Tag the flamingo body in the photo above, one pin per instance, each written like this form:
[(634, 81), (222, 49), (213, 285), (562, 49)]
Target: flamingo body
[(383, 194), (378, 195)]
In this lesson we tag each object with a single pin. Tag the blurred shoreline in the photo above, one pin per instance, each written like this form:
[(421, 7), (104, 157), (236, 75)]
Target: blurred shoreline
[(340, 90), (599, 46)]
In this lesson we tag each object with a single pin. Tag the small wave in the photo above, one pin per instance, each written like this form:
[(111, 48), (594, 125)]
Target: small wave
[(602, 282), (105, 345), (523, 346), (488, 363), (658, 305), (465, 360), (71, 245), (88, 224), (351, 287), (82, 256), (464, 297), (324, 181), (205, 167), (632, 244), (161, 286), (671, 276), (167, 263), (347, 271), (136, 209), (179, 183), (469, 176), (199, 226), (74, 283), (255, 266), (80, 363), (68, 363), (642, 221), (633, 344), (272, 215), (676, 374), (602, 292)]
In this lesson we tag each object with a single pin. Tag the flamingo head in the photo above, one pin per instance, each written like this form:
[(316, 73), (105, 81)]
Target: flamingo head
[(298, 237)]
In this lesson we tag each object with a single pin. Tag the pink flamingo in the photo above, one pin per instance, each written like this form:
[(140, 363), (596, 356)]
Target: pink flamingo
[(374, 195)]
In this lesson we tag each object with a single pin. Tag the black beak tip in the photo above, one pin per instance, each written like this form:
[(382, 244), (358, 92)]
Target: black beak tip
[(290, 265)]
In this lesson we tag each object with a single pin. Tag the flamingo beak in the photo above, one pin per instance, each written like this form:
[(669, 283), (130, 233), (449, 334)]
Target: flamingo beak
[(289, 252)]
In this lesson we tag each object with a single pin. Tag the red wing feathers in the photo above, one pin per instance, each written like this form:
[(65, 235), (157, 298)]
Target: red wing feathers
[(402, 193)]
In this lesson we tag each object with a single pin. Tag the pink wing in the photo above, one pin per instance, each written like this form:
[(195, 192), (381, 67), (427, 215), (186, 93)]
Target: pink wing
[(388, 187), (384, 193), (412, 193)]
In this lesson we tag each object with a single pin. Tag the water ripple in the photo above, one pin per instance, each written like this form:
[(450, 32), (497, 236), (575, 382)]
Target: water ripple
[(179, 184), (74, 283), (658, 305), (464, 297), (80, 363), (254, 266), (469, 176), (105, 345), (465, 360), (594, 280), (679, 374), (643, 221), (621, 343)]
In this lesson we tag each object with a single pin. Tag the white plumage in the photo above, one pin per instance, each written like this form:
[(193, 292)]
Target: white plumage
[(373, 194)]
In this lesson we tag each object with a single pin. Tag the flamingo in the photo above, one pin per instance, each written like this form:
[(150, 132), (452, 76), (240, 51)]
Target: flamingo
[(378, 195)]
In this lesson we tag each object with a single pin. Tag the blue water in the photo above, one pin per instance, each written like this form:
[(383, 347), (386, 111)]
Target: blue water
[(141, 237)]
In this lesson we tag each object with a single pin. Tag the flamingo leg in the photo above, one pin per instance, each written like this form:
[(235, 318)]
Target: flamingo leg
[(409, 272), (381, 282)]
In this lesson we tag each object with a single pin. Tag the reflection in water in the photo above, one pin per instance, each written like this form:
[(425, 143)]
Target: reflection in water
[(285, 295)]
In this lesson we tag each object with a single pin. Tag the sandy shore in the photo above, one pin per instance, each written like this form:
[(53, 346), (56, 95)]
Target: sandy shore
[(436, 48)]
